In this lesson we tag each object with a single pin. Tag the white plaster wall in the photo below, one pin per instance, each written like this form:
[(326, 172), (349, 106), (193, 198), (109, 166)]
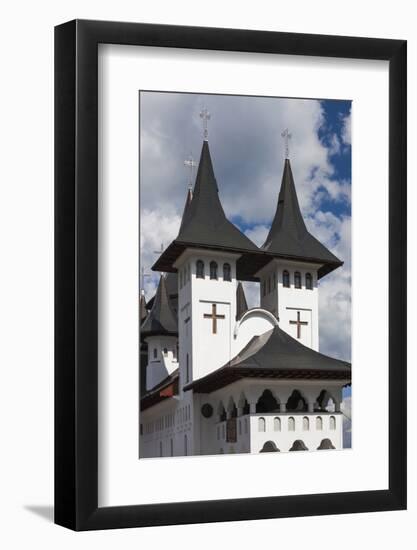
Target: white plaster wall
[(208, 351), (285, 302), (285, 438), (165, 363)]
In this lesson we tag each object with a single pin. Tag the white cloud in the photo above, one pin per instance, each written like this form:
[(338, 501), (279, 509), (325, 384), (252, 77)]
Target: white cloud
[(347, 129), (258, 234)]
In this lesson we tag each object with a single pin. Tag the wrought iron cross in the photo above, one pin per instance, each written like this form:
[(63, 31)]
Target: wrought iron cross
[(190, 162), (287, 136), (143, 275), (299, 324), (205, 115), (214, 316)]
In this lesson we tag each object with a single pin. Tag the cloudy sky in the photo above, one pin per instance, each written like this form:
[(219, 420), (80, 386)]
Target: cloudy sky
[(248, 156)]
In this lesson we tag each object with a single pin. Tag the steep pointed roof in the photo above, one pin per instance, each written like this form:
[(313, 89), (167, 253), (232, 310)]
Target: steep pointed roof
[(204, 223), (274, 354), (161, 319), (289, 237), (186, 211), (143, 312), (241, 303)]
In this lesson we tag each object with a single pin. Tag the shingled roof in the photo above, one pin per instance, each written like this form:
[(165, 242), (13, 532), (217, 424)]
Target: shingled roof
[(204, 223), (288, 236), (274, 354), (162, 319), (241, 303)]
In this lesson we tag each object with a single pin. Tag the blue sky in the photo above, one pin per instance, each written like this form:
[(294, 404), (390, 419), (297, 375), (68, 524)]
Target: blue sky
[(248, 153)]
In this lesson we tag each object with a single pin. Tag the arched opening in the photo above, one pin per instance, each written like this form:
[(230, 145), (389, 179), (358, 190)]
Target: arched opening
[(269, 447), (291, 424), (299, 445), (296, 402), (213, 270), (309, 281), (325, 401), (200, 269), (325, 444), (306, 423), (246, 407), (286, 278), (227, 272), (277, 424), (332, 423), (267, 403), (297, 279), (319, 423), (222, 413), (261, 424)]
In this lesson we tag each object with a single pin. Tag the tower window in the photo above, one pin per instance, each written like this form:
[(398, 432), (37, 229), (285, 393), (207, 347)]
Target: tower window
[(200, 269), (309, 281), (297, 279), (213, 270), (261, 424), (227, 276), (155, 353), (286, 278)]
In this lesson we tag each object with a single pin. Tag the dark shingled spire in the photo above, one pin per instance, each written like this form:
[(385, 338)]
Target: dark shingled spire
[(186, 211), (241, 303), (204, 223), (289, 237), (161, 319), (143, 312)]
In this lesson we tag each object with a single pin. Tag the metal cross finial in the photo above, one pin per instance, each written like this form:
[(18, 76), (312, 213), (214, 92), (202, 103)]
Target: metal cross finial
[(205, 115), (159, 251), (190, 162), (142, 277), (287, 136)]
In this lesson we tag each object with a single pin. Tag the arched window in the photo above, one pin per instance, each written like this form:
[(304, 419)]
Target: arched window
[(185, 446), (227, 272), (309, 281), (165, 351), (306, 423), (213, 270), (319, 423), (291, 424), (155, 353), (188, 368), (261, 424), (332, 422), (286, 278), (200, 269), (297, 279), (277, 424)]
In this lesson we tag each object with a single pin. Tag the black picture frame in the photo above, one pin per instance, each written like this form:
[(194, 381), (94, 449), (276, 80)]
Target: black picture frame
[(76, 271)]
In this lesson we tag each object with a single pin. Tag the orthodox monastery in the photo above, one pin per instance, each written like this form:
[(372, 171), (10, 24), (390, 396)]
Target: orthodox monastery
[(217, 377)]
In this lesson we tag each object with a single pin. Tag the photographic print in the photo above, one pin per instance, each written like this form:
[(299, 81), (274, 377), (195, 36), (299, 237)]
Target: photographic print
[(245, 274)]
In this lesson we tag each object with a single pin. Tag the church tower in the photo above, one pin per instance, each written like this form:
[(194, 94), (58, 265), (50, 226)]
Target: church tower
[(205, 255), (160, 332), (289, 282)]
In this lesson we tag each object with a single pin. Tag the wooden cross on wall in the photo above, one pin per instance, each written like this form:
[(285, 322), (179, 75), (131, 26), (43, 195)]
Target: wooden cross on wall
[(214, 316), (299, 324)]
